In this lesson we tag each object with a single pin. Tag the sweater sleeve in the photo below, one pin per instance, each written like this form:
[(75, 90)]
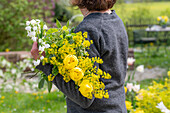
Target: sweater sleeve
[(69, 88)]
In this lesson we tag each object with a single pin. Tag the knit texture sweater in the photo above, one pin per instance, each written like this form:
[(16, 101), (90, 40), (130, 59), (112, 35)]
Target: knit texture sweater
[(110, 44)]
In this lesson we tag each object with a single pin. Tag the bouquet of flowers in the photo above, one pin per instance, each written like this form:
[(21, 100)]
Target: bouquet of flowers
[(66, 51), (162, 20)]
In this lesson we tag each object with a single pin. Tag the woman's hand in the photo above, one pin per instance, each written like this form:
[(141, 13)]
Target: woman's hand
[(35, 51)]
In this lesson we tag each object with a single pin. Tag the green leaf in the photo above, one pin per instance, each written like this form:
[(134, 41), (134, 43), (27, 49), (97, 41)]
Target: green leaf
[(49, 86), (41, 83), (51, 30), (67, 24), (58, 24)]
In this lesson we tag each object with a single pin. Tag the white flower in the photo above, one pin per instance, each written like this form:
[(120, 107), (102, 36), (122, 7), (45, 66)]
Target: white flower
[(35, 28), (33, 22), (47, 45), (13, 71), (130, 61), (28, 28), (27, 23), (32, 69), (42, 57), (1, 73), (31, 34), (129, 86), (40, 40), (162, 107), (136, 88), (38, 21), (45, 27), (34, 39), (43, 43), (41, 48), (36, 63), (140, 68)]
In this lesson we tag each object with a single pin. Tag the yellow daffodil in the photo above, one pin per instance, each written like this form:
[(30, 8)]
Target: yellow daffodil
[(86, 88), (76, 74), (128, 105), (70, 61)]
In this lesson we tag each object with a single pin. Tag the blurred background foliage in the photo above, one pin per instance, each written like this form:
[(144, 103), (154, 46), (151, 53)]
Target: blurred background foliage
[(14, 13)]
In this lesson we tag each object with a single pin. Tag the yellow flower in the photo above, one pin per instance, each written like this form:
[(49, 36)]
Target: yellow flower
[(168, 73), (53, 45), (70, 61), (85, 34), (76, 74), (158, 19), (3, 97), (64, 28), (125, 89), (50, 77), (86, 43), (128, 105), (139, 111), (86, 88), (7, 50)]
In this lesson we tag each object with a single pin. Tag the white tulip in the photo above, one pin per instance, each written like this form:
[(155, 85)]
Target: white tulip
[(36, 63), (130, 61), (41, 48), (27, 23), (136, 88), (140, 68), (47, 45), (45, 27), (129, 86), (28, 28), (34, 39), (42, 57), (33, 22), (35, 28), (162, 107), (13, 71)]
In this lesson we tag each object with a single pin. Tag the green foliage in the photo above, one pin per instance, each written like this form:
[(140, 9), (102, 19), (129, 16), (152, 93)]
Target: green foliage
[(166, 12), (61, 13), (12, 18), (141, 16)]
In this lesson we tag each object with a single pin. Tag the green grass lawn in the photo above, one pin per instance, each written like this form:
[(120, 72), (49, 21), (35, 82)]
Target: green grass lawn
[(28, 103), (125, 10), (153, 58)]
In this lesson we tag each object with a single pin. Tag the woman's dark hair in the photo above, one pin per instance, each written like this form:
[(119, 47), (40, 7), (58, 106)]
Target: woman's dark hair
[(94, 5)]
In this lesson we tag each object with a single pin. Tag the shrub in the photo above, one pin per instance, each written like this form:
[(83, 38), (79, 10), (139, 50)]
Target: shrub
[(12, 15), (61, 13)]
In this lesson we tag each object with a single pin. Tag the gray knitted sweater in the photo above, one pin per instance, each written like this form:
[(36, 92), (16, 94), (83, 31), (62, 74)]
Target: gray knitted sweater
[(111, 44)]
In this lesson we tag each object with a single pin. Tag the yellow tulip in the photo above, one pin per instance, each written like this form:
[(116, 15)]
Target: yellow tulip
[(70, 61), (76, 74)]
